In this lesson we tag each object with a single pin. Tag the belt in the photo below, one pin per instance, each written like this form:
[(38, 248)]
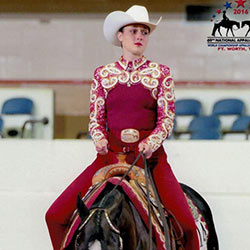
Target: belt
[(130, 135), (126, 140)]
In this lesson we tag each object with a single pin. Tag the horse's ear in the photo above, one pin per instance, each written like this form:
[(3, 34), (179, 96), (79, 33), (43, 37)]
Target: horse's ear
[(83, 211)]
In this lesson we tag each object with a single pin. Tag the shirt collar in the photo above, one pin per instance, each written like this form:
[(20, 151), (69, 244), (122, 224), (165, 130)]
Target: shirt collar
[(134, 64)]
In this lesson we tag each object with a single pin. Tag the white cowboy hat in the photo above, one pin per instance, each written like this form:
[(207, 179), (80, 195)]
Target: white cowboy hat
[(118, 19)]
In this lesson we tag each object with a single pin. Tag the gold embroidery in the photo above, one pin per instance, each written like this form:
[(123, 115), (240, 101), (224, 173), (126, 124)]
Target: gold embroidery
[(135, 77), (96, 102), (110, 76), (154, 93), (168, 82), (153, 69), (96, 134), (136, 63), (157, 137), (124, 77)]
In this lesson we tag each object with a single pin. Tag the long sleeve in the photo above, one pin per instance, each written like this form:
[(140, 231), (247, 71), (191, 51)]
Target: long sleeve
[(97, 123), (165, 111)]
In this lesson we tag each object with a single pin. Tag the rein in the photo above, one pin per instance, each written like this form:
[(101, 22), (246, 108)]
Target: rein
[(148, 177)]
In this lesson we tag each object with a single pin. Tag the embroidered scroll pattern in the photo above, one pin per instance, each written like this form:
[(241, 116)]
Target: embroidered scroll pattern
[(97, 112), (165, 113), (111, 75)]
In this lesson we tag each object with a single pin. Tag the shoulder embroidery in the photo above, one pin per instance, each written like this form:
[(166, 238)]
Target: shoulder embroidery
[(148, 76), (109, 76)]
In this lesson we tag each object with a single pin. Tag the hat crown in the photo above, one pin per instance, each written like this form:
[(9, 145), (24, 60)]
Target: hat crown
[(118, 19), (138, 13)]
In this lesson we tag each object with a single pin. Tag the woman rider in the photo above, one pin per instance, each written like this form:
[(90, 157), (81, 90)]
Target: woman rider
[(131, 110)]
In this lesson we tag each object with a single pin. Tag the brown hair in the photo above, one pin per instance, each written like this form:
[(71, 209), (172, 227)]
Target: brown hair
[(121, 29)]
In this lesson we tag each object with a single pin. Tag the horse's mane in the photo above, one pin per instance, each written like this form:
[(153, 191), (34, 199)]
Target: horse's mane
[(107, 202)]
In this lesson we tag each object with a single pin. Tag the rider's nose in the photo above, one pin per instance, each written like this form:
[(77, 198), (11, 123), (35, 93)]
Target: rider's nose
[(139, 36)]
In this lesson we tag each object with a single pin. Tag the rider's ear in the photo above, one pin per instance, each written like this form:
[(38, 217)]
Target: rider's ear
[(83, 211)]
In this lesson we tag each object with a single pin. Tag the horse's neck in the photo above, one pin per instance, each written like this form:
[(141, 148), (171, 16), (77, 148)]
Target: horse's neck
[(127, 225), (234, 22)]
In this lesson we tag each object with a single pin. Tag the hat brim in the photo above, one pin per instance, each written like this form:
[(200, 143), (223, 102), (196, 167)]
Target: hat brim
[(118, 19)]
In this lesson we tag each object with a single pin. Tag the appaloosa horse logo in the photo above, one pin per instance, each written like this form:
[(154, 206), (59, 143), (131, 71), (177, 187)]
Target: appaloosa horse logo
[(231, 26), (225, 23)]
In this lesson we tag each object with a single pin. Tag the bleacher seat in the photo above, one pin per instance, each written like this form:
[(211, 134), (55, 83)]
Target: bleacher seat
[(205, 128), (206, 134), (240, 129), (15, 112), (241, 124), (204, 122), (228, 110), (14, 106), (199, 125), (185, 111), (188, 107), (230, 106)]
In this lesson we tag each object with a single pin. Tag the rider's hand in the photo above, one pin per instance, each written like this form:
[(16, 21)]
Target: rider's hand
[(102, 147), (145, 149)]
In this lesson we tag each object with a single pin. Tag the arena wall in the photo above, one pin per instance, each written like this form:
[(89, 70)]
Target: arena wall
[(35, 172)]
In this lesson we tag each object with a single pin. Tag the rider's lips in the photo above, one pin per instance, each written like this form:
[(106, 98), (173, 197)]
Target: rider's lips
[(138, 44)]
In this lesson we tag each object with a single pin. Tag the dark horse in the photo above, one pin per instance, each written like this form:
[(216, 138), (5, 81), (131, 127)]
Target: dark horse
[(246, 22), (228, 24), (113, 223)]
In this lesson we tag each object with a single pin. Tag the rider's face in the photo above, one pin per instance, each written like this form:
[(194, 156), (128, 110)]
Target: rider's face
[(134, 39)]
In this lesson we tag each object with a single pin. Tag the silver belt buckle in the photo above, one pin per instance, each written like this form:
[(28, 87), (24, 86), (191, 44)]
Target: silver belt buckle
[(130, 135)]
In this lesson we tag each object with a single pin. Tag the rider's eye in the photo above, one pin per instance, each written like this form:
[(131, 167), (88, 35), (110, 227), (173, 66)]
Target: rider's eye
[(133, 31)]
